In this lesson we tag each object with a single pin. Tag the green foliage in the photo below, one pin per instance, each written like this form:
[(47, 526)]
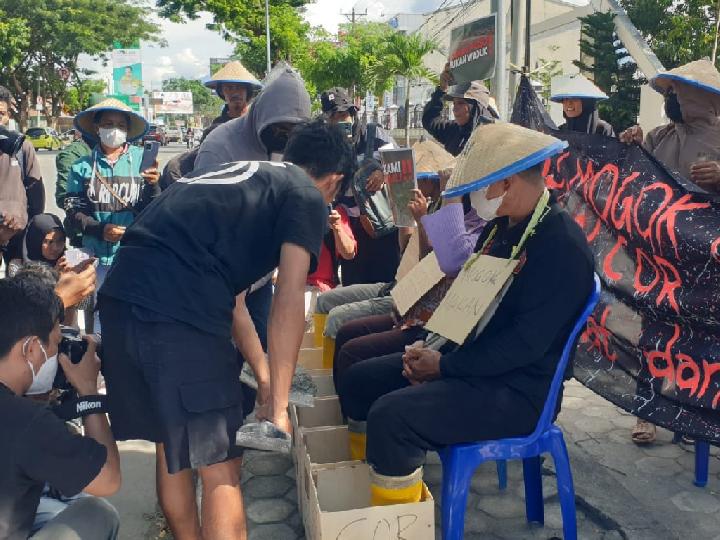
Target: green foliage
[(599, 61), (677, 32), (78, 97), (204, 101), (544, 73), (58, 32)]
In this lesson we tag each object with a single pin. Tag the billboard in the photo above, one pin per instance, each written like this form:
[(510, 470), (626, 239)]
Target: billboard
[(172, 102), (127, 73)]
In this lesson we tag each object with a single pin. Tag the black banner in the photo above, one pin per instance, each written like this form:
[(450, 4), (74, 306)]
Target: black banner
[(652, 345)]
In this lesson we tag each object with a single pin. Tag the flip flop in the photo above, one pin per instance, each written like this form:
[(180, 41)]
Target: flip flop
[(644, 432)]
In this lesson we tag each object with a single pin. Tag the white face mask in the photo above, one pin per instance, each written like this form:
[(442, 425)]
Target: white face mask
[(42, 381), (112, 137), (485, 208)]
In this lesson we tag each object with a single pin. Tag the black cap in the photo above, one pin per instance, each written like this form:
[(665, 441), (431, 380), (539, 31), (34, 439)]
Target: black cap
[(336, 100)]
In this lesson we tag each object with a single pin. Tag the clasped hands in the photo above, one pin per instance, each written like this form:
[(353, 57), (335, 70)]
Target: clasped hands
[(421, 364)]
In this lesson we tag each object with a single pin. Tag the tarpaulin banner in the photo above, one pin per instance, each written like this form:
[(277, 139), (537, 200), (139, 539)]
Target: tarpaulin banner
[(472, 51), (652, 346)]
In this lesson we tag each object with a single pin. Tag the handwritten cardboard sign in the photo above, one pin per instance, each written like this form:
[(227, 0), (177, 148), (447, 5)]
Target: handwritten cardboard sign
[(410, 258), (470, 296), (472, 51), (418, 281), (399, 168)]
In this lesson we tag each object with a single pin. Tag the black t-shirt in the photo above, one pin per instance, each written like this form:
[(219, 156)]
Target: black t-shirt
[(211, 235), (36, 448)]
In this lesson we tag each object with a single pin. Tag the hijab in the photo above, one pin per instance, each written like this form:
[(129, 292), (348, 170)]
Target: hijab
[(37, 229)]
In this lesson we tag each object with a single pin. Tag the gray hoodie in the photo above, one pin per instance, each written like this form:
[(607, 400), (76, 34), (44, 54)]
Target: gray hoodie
[(284, 99)]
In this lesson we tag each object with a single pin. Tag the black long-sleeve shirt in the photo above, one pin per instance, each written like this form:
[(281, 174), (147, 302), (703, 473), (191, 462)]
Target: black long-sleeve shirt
[(449, 133), (522, 343)]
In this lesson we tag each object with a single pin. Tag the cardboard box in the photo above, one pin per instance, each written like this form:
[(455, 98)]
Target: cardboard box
[(310, 358), (324, 382), (326, 412), (308, 340), (338, 508)]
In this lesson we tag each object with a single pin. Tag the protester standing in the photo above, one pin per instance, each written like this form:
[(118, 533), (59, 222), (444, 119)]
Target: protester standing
[(80, 147), (471, 108), (107, 189), (579, 98), (22, 194)]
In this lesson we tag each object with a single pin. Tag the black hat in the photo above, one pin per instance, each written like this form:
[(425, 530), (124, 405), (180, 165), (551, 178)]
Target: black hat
[(336, 100)]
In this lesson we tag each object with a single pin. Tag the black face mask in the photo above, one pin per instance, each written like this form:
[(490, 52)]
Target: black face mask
[(273, 143), (672, 108)]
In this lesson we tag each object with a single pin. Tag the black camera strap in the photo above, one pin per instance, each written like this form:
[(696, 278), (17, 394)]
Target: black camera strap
[(82, 406)]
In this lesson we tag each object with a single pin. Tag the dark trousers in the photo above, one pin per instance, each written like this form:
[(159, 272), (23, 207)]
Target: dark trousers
[(404, 421), (369, 337)]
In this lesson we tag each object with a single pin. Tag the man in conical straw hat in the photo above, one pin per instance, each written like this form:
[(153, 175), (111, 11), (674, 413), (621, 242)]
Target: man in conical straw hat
[(690, 143), (236, 86), (495, 384), (579, 98)]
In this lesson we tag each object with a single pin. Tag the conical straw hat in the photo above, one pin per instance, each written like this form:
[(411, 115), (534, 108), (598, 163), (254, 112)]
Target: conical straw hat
[(430, 158), (233, 72), (496, 152), (84, 121), (700, 74), (574, 86)]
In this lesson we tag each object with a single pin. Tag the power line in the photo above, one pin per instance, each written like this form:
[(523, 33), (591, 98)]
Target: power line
[(352, 15)]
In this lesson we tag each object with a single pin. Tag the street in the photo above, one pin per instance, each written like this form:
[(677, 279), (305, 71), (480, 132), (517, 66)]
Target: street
[(47, 166)]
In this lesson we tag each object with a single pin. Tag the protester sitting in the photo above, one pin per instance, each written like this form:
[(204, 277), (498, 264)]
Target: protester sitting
[(579, 98), (107, 189), (689, 145), (44, 241), (236, 86), (422, 399), (378, 252), (36, 449), (471, 108), (181, 270), (340, 242)]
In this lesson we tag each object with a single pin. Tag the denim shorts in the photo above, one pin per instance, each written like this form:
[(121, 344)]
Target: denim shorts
[(172, 383)]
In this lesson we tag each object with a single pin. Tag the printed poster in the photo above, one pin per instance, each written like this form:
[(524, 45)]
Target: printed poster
[(472, 50), (399, 168)]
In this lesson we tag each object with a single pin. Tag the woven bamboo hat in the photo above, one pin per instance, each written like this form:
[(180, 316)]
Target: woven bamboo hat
[(430, 158), (233, 72), (574, 86), (700, 74), (85, 120), (496, 152)]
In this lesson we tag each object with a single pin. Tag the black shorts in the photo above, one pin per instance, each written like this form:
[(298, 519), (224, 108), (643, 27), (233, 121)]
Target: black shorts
[(169, 382)]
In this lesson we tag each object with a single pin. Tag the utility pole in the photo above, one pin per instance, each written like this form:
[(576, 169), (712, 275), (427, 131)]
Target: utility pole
[(353, 14), (267, 36), (500, 87)]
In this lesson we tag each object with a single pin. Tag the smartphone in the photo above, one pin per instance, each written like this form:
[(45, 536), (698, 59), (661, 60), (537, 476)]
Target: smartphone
[(74, 256), (150, 153)]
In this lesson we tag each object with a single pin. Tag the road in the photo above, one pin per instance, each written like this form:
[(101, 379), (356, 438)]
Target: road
[(47, 166)]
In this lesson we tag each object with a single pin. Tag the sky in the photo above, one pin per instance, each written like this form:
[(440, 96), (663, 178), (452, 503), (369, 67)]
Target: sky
[(191, 45)]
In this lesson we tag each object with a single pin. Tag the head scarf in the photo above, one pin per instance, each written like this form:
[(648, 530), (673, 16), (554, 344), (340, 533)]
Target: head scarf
[(588, 120), (37, 229)]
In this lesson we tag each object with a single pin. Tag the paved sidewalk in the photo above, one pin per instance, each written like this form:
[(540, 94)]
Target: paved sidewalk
[(623, 491)]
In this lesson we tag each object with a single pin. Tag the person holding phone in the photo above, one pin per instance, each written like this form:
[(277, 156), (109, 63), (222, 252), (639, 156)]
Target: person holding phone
[(108, 188)]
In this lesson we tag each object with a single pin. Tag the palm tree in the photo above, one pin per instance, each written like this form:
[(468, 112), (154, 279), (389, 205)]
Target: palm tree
[(402, 56)]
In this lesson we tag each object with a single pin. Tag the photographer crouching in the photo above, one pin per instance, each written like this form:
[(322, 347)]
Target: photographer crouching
[(36, 448)]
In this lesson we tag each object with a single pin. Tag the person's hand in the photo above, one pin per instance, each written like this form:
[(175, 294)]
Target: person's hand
[(418, 206), (375, 181), (151, 175), (632, 135), (9, 227), (706, 174), (62, 265), (113, 233), (76, 285), (446, 78), (335, 220), (421, 365), (83, 376)]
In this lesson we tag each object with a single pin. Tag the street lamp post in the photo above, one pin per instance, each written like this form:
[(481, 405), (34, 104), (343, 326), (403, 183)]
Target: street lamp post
[(267, 34)]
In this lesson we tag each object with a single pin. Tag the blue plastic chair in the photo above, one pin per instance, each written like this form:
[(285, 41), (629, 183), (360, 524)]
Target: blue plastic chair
[(461, 460)]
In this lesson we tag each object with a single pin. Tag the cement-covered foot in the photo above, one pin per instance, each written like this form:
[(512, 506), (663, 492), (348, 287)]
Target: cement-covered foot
[(264, 436)]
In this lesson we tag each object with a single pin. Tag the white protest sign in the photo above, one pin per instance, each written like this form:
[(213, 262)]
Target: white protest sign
[(470, 296), (418, 281)]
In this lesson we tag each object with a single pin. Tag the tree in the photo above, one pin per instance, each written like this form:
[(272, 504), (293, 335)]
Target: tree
[(204, 101), (243, 23), (606, 62), (79, 95), (677, 32), (401, 55), (58, 32), (14, 37)]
